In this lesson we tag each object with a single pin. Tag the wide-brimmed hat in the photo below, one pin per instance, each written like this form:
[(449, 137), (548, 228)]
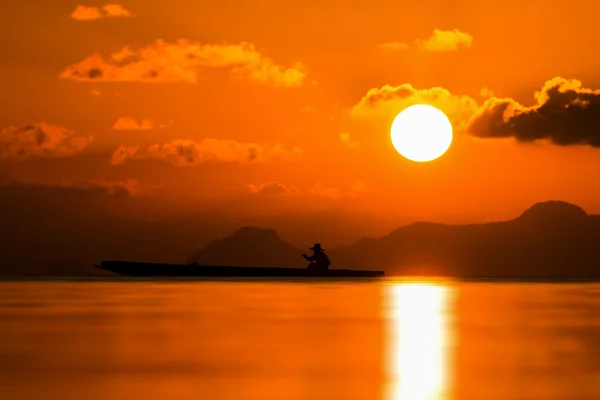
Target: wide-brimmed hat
[(317, 246)]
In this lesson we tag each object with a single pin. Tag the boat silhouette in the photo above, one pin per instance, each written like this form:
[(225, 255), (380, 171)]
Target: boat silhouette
[(196, 270)]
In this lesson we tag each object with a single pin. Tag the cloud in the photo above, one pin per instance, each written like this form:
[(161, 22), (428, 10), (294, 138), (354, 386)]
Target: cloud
[(392, 46), (182, 153), (277, 188), (40, 140), (270, 188), (486, 92), (163, 62), (439, 41), (116, 10), (129, 188), (348, 142), (131, 124), (386, 102), (449, 40), (85, 13), (565, 113)]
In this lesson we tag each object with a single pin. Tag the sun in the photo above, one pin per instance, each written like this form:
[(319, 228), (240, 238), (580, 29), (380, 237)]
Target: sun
[(421, 133)]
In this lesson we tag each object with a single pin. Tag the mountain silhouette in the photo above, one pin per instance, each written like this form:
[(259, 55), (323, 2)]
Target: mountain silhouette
[(554, 214), (550, 240), (250, 246), (554, 240)]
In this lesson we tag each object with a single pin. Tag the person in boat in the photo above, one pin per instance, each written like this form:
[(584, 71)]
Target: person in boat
[(319, 259)]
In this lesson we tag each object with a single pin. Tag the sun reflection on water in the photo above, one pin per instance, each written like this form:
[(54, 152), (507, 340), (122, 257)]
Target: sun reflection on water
[(419, 337)]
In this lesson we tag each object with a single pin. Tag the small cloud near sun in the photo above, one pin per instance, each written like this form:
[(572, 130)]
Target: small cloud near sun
[(486, 92), (439, 41), (348, 141), (132, 124), (85, 13)]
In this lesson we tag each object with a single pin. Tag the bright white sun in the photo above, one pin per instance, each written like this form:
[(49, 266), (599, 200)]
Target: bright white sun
[(421, 133)]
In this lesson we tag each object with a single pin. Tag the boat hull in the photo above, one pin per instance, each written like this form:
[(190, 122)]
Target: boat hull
[(195, 270)]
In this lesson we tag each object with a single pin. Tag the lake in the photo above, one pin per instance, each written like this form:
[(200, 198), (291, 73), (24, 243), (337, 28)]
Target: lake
[(252, 339)]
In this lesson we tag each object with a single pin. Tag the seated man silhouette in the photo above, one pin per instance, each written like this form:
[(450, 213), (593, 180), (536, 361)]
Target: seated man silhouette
[(319, 259)]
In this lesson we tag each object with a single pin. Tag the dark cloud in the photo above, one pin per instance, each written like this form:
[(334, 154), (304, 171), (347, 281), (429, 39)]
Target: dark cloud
[(565, 113), (84, 13), (40, 140), (272, 188), (183, 153), (96, 189), (94, 73)]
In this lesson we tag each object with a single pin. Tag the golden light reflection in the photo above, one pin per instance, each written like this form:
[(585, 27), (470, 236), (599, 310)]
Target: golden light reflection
[(419, 337)]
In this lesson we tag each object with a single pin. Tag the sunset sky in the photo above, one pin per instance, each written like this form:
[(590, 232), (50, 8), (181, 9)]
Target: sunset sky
[(269, 106)]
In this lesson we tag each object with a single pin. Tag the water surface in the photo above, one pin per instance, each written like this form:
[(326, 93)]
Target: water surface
[(252, 339)]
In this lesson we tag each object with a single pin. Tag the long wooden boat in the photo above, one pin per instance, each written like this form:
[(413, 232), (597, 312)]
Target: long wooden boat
[(196, 270)]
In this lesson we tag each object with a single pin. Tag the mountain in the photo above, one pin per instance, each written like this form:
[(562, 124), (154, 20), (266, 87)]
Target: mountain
[(550, 240), (250, 246), (333, 226)]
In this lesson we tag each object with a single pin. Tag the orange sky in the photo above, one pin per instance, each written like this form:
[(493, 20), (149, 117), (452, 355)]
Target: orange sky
[(269, 105)]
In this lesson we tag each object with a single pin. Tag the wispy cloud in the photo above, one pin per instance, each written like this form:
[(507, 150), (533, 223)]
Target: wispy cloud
[(40, 140), (185, 153), (128, 188), (272, 188), (348, 141), (277, 188), (486, 92), (132, 124), (181, 61), (85, 13), (439, 41)]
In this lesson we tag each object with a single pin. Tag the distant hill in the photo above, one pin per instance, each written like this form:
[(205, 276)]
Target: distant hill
[(549, 240), (553, 239), (250, 246)]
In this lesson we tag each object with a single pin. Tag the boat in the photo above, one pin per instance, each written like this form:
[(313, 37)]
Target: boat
[(195, 270)]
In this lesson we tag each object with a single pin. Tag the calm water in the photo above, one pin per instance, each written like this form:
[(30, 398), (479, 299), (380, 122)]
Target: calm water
[(298, 340)]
